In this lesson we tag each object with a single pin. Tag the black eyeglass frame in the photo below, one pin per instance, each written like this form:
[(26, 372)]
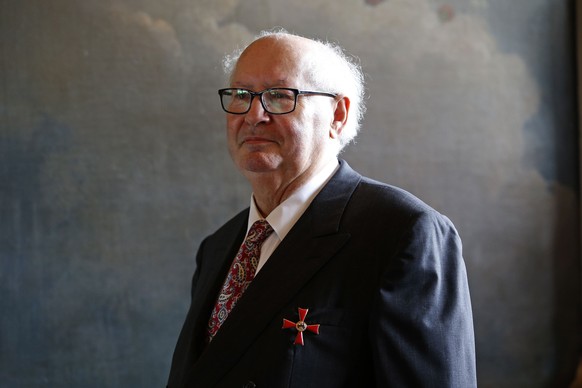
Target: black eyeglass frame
[(296, 93)]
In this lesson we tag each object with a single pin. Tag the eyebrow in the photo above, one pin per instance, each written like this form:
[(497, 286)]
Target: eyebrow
[(282, 83)]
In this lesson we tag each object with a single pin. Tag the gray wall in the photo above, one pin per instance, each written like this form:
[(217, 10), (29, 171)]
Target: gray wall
[(113, 168)]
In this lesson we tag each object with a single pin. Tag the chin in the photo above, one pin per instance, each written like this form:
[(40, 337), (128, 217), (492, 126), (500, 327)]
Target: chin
[(259, 163)]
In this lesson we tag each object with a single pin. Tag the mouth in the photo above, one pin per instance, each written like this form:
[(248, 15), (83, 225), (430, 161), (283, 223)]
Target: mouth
[(256, 140)]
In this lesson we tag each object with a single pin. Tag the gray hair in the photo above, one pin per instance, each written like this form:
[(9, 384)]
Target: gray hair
[(332, 70)]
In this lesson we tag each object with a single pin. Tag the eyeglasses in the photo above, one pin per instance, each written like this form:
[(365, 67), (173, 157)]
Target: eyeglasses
[(277, 101)]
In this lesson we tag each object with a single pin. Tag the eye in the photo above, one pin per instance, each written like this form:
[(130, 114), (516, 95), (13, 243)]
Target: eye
[(281, 94), (241, 94)]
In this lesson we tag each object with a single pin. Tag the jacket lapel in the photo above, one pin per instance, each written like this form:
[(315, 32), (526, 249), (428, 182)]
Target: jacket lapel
[(211, 277), (313, 241)]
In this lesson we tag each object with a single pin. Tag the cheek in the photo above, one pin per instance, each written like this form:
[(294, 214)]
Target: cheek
[(232, 125), (298, 134), (231, 120), (313, 129)]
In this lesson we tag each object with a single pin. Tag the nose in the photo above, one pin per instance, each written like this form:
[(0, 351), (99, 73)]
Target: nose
[(257, 113)]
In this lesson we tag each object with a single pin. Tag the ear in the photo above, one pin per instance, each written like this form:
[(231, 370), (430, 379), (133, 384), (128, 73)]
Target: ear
[(340, 117)]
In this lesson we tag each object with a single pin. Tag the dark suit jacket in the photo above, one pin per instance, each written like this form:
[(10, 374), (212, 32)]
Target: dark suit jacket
[(378, 269)]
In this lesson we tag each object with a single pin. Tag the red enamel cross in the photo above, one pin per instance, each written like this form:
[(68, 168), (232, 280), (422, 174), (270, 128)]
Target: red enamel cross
[(301, 326)]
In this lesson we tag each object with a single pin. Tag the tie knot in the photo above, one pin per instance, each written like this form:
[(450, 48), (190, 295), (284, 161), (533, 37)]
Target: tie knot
[(259, 232)]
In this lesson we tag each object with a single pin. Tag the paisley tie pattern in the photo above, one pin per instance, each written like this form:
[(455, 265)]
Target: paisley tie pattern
[(241, 273)]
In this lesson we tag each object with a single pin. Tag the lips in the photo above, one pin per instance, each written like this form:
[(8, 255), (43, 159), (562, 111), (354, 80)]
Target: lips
[(256, 140)]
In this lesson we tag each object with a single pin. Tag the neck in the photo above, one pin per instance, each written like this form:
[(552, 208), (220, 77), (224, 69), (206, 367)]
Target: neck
[(270, 189)]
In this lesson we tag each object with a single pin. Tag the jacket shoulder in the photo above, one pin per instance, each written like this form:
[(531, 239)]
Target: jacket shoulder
[(231, 227), (380, 197)]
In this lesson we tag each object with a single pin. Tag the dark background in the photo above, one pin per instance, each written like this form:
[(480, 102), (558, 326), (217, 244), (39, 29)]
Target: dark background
[(113, 167)]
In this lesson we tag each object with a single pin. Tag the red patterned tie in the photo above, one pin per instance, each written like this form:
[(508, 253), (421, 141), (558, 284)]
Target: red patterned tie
[(241, 273)]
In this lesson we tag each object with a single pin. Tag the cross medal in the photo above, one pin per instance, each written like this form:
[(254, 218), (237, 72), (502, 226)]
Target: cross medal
[(300, 326)]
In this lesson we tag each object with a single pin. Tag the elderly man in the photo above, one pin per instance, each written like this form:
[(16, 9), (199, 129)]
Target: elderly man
[(341, 281)]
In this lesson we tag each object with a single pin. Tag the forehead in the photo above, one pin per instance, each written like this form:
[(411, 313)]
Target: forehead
[(270, 62)]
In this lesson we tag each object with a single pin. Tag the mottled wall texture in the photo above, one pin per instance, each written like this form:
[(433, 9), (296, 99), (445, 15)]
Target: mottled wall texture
[(113, 167)]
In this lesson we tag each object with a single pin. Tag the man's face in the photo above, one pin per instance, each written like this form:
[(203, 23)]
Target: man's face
[(289, 145)]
